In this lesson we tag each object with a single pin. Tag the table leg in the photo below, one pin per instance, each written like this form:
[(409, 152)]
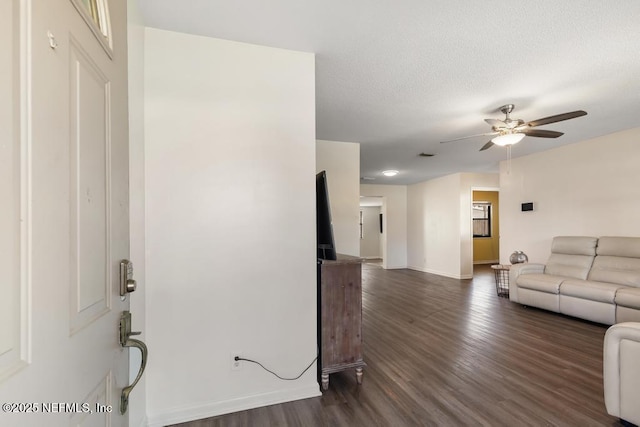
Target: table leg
[(359, 375), (325, 381)]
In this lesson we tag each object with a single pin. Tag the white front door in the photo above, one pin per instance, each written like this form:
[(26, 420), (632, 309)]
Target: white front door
[(64, 211)]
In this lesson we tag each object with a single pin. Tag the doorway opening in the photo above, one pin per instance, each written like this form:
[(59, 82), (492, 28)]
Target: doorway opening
[(485, 229), (371, 230)]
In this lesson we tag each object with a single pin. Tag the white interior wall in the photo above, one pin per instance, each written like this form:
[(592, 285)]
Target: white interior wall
[(394, 213), (434, 226), (439, 223), (341, 160), (135, 43), (590, 188), (370, 246), (230, 226)]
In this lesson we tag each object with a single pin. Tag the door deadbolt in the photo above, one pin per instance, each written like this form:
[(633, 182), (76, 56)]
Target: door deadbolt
[(127, 284)]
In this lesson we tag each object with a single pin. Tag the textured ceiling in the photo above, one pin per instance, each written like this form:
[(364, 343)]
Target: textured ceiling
[(400, 76)]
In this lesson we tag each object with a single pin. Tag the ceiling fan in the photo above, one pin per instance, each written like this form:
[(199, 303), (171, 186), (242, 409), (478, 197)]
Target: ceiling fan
[(511, 131)]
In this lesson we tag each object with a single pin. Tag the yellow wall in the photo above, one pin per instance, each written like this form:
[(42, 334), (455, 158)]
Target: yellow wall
[(487, 249)]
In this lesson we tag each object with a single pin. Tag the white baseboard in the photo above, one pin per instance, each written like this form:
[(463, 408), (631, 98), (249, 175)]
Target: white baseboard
[(211, 409), (441, 273), (490, 261), (395, 267)]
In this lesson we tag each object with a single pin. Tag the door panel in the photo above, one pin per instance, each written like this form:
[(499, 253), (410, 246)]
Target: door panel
[(89, 189), (96, 399), (12, 324)]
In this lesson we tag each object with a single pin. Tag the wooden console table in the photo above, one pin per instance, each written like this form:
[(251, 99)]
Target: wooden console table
[(340, 317)]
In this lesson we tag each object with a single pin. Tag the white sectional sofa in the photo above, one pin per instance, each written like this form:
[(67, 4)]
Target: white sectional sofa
[(621, 371), (596, 279)]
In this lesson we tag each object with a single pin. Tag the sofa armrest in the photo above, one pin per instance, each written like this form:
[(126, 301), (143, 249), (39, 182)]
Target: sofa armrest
[(621, 371), (517, 270)]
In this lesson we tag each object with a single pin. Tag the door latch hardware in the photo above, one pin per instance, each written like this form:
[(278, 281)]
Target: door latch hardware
[(127, 341)]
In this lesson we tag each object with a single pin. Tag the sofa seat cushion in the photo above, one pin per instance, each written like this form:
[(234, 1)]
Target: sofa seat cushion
[(589, 290), (548, 283), (628, 297)]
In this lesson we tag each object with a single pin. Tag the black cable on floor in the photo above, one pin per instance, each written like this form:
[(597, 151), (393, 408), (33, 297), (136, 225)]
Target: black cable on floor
[(271, 372)]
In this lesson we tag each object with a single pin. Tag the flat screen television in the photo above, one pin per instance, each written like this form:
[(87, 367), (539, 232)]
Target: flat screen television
[(324, 228)]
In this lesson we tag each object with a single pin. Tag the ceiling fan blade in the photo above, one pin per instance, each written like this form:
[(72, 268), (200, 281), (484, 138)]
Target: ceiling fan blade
[(470, 136), (541, 133), (487, 146), (557, 118), (495, 122)]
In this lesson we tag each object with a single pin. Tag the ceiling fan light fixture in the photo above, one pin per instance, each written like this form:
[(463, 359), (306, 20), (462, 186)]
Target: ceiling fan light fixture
[(390, 173), (508, 139)]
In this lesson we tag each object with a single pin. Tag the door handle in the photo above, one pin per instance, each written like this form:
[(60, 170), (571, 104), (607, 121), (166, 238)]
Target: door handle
[(127, 341)]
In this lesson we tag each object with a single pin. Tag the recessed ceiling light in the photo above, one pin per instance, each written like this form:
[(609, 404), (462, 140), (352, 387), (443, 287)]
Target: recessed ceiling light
[(390, 173)]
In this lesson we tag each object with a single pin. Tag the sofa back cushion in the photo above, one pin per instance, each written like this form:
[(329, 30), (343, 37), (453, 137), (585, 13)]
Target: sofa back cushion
[(571, 256), (618, 261), (628, 247)]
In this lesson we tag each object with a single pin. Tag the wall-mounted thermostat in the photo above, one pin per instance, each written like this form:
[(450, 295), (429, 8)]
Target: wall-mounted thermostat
[(528, 206)]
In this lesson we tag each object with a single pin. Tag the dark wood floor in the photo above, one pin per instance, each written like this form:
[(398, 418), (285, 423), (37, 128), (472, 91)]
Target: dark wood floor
[(445, 352)]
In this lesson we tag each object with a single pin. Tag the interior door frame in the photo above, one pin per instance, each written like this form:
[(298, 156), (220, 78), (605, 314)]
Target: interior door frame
[(496, 231)]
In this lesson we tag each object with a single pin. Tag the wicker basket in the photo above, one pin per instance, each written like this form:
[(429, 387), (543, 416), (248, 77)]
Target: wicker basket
[(502, 279)]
